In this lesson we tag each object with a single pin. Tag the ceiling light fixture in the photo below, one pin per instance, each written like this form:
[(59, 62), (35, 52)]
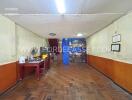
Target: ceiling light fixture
[(79, 34), (60, 6), (52, 34)]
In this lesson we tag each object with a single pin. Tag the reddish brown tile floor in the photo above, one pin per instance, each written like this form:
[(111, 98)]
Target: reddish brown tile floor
[(73, 82)]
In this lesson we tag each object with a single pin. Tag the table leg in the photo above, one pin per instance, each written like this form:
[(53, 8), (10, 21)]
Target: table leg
[(21, 72), (38, 72)]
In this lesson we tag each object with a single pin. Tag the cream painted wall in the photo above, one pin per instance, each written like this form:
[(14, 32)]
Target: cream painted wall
[(99, 44), (7, 40), (16, 41), (26, 40)]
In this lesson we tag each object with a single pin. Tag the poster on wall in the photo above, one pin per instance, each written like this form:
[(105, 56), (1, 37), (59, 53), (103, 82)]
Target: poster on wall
[(115, 47), (116, 38)]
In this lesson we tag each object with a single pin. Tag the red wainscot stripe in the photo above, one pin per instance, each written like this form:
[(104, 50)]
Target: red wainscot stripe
[(8, 76), (119, 72)]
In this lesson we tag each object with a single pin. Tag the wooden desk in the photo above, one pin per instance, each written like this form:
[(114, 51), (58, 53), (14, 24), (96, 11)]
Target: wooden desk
[(36, 64)]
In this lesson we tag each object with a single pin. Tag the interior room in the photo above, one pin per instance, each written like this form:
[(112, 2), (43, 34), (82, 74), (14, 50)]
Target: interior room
[(65, 50)]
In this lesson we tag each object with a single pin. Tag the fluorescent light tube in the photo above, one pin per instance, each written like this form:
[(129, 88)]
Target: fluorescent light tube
[(79, 34), (60, 6)]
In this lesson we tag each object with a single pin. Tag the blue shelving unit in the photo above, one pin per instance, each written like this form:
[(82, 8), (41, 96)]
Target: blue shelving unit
[(69, 50)]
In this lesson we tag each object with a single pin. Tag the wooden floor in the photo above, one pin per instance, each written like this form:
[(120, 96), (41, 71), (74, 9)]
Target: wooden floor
[(73, 82)]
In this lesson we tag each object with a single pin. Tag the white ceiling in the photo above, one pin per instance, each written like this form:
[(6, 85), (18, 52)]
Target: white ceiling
[(85, 16), (72, 6), (64, 26)]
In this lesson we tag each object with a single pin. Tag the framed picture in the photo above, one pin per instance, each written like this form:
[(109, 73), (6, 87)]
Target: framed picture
[(116, 47), (116, 38)]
